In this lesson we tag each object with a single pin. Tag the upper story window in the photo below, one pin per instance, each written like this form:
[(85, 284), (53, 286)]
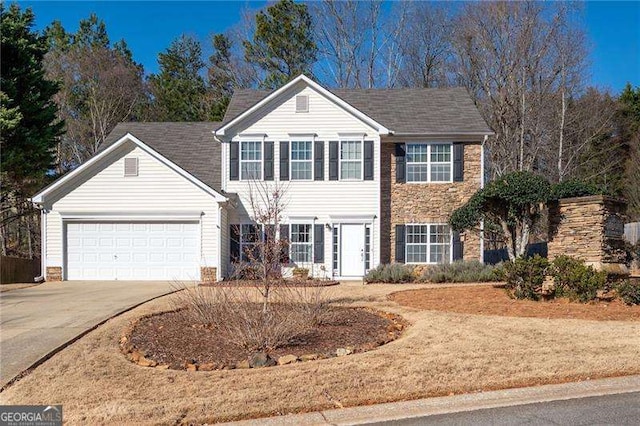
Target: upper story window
[(301, 160), (351, 160), (428, 243), (429, 162), (250, 160)]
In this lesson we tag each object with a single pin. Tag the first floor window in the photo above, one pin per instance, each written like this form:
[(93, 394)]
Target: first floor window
[(301, 243), (351, 160), (428, 243), (250, 160), (250, 236)]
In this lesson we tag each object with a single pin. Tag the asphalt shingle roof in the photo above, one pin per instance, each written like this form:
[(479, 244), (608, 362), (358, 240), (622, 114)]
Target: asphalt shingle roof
[(190, 145), (404, 111)]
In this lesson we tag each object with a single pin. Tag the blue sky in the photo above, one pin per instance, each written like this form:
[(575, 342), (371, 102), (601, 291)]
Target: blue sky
[(613, 29)]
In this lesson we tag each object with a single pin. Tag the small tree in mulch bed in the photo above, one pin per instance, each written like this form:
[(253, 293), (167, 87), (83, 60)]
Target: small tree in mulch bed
[(269, 312)]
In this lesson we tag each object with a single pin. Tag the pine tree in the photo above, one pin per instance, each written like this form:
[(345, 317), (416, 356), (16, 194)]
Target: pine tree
[(283, 43), (30, 127), (178, 90)]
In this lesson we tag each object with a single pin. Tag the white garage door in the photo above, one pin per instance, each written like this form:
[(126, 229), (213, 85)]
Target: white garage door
[(133, 251)]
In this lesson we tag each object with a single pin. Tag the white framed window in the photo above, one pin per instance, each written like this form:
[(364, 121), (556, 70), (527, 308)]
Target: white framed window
[(351, 160), (301, 243), (301, 160), (250, 160), (250, 236), (429, 162), (428, 243)]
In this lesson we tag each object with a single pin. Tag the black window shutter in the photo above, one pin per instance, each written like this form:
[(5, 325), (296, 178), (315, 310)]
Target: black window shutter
[(368, 160), (318, 160), (458, 246), (234, 161), (318, 243), (400, 244), (234, 240), (284, 160), (401, 163), (284, 238), (458, 162), (268, 161), (333, 160)]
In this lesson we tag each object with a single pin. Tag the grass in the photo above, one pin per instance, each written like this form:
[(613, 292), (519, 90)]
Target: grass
[(439, 354)]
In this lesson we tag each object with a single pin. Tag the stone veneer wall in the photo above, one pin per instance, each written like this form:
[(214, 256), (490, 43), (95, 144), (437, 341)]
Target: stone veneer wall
[(590, 228), (208, 274), (54, 273), (403, 203)]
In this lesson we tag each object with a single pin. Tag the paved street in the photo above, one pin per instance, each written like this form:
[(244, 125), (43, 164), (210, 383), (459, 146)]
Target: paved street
[(621, 409), (34, 321)]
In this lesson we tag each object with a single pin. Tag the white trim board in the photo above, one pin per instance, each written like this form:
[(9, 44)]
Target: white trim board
[(39, 198)]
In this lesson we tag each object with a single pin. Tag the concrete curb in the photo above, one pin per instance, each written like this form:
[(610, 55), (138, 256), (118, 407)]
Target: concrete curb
[(51, 353), (455, 404)]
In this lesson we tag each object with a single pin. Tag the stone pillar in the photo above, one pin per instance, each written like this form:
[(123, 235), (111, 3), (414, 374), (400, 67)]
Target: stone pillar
[(54, 273), (208, 274), (589, 228)]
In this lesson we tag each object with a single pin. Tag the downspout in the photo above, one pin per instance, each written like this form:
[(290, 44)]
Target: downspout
[(482, 183), (43, 244)]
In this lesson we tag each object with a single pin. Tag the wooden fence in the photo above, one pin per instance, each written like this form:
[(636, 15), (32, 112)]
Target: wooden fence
[(632, 232), (17, 270)]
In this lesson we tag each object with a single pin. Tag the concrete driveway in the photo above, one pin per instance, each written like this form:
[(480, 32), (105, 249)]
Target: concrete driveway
[(37, 320)]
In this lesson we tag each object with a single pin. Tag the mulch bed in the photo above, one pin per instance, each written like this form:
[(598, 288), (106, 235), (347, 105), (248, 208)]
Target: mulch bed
[(285, 283), (486, 300), (172, 339)]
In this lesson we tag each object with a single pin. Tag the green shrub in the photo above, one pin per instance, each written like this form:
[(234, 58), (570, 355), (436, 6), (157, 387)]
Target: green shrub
[(459, 272), (390, 273), (629, 292), (575, 188), (575, 280), (525, 276)]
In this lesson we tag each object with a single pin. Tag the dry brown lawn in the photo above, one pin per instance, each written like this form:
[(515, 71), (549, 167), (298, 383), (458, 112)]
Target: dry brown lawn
[(439, 354)]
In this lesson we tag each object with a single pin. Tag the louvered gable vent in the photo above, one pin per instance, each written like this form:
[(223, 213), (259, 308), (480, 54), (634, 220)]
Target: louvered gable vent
[(302, 103), (131, 166)]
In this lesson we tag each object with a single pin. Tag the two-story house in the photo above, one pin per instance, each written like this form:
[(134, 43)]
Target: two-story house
[(368, 176)]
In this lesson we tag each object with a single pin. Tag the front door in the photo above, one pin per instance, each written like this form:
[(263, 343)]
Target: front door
[(352, 250)]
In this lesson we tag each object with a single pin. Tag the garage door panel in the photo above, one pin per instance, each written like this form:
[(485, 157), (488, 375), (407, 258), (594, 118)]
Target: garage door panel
[(133, 251)]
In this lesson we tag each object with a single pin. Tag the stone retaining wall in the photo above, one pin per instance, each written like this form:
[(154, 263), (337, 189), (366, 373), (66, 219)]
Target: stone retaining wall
[(589, 228)]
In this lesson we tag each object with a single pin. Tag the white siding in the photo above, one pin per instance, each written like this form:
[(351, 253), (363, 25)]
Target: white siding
[(321, 199), (157, 189)]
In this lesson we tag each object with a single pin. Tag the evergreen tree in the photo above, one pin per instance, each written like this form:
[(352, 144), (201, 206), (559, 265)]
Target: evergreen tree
[(30, 127), (283, 43), (221, 76), (178, 90)]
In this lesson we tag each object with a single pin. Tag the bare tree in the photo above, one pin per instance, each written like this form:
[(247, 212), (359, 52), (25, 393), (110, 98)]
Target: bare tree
[(359, 42), (101, 87), (264, 253), (515, 58), (425, 45)]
